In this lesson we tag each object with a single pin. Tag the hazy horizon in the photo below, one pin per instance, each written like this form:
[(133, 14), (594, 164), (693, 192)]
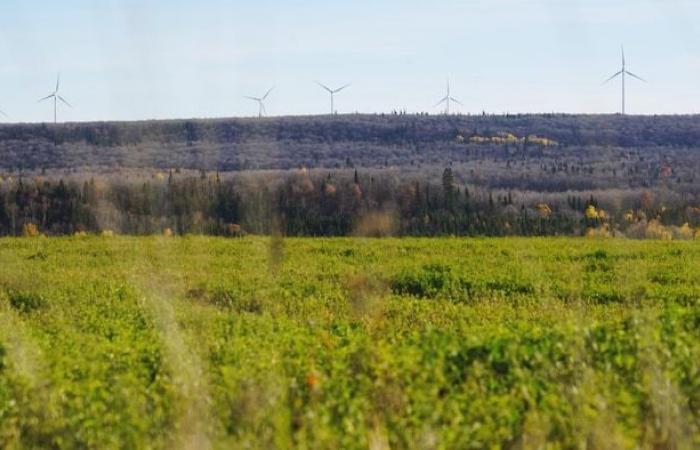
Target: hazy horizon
[(128, 60), (49, 120)]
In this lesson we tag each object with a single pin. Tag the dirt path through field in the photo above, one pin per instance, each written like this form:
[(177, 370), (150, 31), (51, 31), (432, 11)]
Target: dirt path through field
[(188, 375), (161, 288), (25, 362), (23, 354)]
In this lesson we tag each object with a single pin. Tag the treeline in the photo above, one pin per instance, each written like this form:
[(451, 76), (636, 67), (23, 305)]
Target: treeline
[(394, 129), (332, 204), (323, 141)]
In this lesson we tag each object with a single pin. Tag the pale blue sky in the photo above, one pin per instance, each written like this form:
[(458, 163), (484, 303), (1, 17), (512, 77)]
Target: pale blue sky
[(143, 59)]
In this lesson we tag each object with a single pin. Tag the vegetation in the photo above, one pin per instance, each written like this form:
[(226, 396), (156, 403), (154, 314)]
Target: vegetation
[(331, 176), (363, 141), (199, 342), (337, 203)]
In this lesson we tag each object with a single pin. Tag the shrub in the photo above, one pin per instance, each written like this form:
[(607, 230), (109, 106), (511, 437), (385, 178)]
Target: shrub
[(25, 301), (227, 298), (657, 231), (604, 295), (376, 224), (30, 230), (233, 229), (510, 287), (431, 281)]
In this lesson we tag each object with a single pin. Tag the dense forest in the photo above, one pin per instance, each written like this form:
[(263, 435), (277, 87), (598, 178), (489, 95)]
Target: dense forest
[(356, 174), (304, 203)]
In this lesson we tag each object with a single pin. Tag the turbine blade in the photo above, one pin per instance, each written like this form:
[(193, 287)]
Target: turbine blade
[(58, 82), (45, 98), (635, 76), (252, 98), (268, 93), (262, 106), (622, 48), (340, 89), (608, 80), (324, 87), (456, 101), (441, 102), (3, 113), (64, 101)]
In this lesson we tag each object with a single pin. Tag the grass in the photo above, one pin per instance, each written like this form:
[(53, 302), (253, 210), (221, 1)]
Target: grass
[(199, 342)]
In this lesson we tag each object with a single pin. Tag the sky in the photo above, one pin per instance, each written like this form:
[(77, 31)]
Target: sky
[(158, 59)]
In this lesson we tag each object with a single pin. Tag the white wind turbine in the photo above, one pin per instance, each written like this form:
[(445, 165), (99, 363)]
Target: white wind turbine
[(261, 101), (447, 99), (56, 98), (332, 92), (623, 71)]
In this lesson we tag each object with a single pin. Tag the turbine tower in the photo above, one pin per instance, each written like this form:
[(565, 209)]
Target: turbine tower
[(447, 99), (261, 100), (332, 92), (623, 71), (56, 98)]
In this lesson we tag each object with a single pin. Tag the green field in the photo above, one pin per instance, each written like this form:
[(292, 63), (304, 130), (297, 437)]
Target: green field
[(193, 342)]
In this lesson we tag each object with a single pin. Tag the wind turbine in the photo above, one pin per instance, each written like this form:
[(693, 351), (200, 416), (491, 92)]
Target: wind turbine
[(623, 71), (261, 101), (448, 98), (56, 98), (332, 92)]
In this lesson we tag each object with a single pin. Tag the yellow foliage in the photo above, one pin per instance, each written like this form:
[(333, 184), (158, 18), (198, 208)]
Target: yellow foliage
[(602, 232), (167, 232), (541, 141), (506, 138), (509, 138), (591, 212), (30, 230), (544, 210), (685, 232), (80, 234), (479, 140), (655, 230), (629, 216), (356, 190), (233, 229), (107, 233)]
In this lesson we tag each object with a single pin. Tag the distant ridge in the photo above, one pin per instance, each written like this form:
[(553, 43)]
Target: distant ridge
[(368, 140)]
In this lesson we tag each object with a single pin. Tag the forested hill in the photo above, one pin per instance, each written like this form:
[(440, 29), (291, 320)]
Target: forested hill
[(323, 141)]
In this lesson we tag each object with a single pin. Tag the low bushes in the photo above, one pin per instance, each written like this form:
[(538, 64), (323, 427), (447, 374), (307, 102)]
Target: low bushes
[(441, 281)]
